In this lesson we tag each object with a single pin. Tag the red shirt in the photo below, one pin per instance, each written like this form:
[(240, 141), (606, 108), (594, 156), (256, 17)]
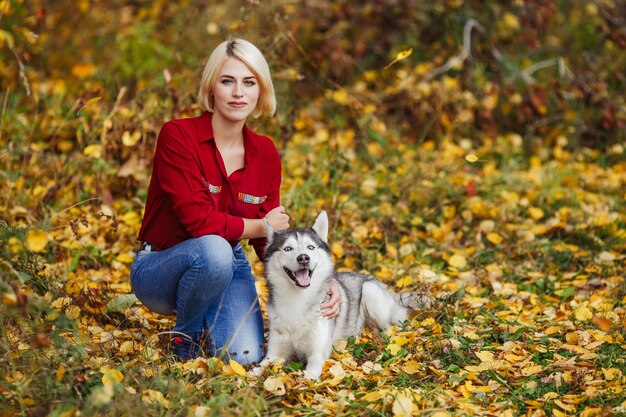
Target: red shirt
[(191, 195)]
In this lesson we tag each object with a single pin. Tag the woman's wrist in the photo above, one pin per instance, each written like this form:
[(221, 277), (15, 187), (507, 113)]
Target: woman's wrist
[(266, 225)]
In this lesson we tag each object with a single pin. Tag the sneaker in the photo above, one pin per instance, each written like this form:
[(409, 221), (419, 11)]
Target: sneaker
[(186, 347)]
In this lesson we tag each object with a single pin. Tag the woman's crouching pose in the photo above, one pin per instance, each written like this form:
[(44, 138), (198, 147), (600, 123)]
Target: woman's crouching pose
[(214, 182)]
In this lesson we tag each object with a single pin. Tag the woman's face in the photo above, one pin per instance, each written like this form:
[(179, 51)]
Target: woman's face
[(236, 92)]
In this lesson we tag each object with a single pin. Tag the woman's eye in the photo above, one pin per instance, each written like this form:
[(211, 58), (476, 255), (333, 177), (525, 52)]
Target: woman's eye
[(226, 81), (288, 249), (311, 247), (249, 83)]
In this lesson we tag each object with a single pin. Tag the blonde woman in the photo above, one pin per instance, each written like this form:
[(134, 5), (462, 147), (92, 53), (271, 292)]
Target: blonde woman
[(214, 182)]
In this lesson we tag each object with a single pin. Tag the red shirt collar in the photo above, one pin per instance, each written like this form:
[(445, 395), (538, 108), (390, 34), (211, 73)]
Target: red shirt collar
[(205, 133)]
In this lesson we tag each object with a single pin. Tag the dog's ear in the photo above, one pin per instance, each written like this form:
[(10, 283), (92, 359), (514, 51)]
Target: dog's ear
[(321, 226), (269, 232)]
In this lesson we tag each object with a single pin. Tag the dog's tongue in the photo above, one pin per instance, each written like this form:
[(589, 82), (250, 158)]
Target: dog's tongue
[(302, 277)]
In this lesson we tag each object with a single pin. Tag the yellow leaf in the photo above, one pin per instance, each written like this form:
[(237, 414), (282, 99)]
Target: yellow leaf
[(457, 261), (72, 312), (564, 406), (149, 396), (370, 397), (275, 385), (110, 375), (602, 323), (611, 373), (404, 54), (360, 233), (552, 330), (36, 240), (393, 348), (124, 258), (131, 139), (441, 414), (60, 372), (411, 367), (402, 406), (337, 250), (471, 336), (494, 238), (471, 158), (92, 100), (126, 348), (510, 21), (239, 370), (583, 313), (536, 213), (449, 212), (485, 356), (391, 250), (93, 151), (341, 97), (591, 412), (6, 37), (404, 281), (550, 396), (399, 340), (532, 370), (83, 70), (65, 146)]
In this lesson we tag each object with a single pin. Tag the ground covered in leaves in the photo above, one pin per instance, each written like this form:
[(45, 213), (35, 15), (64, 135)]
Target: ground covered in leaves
[(469, 176)]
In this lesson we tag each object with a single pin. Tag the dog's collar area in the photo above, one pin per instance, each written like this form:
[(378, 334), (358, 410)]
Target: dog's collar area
[(301, 277)]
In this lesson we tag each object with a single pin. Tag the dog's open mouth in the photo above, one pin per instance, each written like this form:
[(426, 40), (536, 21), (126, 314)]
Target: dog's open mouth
[(302, 277)]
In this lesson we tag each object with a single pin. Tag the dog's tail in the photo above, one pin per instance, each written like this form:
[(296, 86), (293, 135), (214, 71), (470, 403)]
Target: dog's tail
[(415, 300), (380, 306)]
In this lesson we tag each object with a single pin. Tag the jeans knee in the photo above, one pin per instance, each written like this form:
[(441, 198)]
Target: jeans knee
[(213, 255)]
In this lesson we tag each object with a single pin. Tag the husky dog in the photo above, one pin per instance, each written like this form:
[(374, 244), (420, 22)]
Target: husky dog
[(298, 270)]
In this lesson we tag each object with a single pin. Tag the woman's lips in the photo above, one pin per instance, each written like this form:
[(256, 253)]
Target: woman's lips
[(237, 104)]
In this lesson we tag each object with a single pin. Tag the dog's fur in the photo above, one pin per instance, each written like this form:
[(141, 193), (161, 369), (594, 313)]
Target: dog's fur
[(299, 269)]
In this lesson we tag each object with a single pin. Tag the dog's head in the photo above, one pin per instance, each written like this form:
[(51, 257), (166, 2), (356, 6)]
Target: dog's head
[(301, 256)]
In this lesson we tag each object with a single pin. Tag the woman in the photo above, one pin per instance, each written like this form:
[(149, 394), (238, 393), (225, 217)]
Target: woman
[(214, 182)]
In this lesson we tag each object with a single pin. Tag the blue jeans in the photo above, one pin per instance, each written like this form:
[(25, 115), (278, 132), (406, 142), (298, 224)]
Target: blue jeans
[(209, 286)]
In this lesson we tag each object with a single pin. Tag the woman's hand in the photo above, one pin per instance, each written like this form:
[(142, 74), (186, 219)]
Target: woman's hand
[(278, 219), (330, 309)]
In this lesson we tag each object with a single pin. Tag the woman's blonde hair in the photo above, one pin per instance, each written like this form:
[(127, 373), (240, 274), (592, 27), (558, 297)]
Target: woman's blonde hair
[(253, 58)]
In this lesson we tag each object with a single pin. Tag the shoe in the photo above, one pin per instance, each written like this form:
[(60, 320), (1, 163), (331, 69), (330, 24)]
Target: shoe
[(185, 346)]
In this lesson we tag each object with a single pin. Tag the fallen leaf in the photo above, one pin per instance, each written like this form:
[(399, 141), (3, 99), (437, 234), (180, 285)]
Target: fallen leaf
[(36, 240), (602, 323), (237, 368), (583, 313), (402, 406), (535, 213), (149, 396), (275, 385), (457, 261), (110, 375), (494, 238)]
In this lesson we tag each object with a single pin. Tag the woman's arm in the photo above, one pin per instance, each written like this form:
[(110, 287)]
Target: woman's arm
[(255, 228)]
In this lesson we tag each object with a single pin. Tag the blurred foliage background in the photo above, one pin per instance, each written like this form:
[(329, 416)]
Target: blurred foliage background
[(483, 140)]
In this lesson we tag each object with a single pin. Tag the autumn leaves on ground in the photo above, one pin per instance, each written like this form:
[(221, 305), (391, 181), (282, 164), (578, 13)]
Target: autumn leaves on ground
[(472, 153)]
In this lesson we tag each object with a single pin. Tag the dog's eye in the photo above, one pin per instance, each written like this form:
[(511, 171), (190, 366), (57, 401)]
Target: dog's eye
[(311, 247), (287, 248)]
